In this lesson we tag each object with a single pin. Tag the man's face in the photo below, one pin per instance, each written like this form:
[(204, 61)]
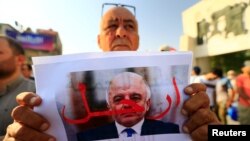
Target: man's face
[(25, 71), (7, 59), (119, 31), (128, 88), (246, 70)]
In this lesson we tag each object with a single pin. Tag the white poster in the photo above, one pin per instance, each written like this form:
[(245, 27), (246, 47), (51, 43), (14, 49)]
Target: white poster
[(95, 96)]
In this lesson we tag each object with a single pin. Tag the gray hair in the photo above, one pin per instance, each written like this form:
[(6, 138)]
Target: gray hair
[(148, 91)]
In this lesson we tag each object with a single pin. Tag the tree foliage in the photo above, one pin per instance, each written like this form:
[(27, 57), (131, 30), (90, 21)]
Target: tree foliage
[(230, 61)]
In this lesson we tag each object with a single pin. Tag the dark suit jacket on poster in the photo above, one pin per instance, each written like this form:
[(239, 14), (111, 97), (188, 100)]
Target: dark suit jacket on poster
[(149, 127)]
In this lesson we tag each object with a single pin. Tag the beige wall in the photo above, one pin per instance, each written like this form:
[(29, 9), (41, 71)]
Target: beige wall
[(217, 44)]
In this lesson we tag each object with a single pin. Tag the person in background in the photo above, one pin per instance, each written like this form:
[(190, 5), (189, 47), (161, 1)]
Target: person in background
[(232, 75), (243, 86), (209, 79), (27, 71), (195, 75), (166, 48), (118, 32), (232, 111), (223, 90), (12, 81)]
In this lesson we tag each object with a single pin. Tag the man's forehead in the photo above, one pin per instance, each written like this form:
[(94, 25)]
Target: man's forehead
[(118, 13), (124, 86), (3, 40)]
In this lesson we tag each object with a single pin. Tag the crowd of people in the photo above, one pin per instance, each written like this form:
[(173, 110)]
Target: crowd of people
[(228, 92)]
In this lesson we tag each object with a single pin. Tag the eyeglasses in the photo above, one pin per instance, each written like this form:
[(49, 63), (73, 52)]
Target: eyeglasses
[(129, 7)]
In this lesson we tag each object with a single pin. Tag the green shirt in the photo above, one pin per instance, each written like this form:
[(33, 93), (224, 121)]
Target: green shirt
[(8, 99)]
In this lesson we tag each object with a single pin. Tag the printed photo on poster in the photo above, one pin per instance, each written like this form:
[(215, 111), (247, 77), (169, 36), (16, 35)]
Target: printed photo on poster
[(137, 93), (117, 103)]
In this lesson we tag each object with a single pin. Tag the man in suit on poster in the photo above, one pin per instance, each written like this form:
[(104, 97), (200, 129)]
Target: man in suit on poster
[(132, 87)]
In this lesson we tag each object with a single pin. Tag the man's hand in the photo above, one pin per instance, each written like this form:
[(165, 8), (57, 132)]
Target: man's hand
[(229, 103), (197, 109), (27, 125)]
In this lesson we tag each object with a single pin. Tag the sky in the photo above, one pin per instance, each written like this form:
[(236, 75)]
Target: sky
[(77, 21)]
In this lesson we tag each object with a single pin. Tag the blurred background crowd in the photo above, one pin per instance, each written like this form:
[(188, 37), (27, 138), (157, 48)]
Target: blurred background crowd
[(228, 92)]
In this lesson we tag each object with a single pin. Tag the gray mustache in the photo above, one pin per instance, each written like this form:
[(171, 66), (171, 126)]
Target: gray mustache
[(121, 42)]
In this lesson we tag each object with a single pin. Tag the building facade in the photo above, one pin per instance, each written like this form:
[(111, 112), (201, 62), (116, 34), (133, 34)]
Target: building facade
[(214, 28)]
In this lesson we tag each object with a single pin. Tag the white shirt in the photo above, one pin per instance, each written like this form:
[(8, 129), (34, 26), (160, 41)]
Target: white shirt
[(123, 135), (195, 79), (210, 90)]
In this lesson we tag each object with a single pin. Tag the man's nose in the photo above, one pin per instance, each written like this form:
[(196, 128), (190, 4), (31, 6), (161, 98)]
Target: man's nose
[(126, 105), (121, 32)]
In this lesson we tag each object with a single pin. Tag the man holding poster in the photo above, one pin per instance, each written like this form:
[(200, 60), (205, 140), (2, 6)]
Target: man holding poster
[(118, 32)]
